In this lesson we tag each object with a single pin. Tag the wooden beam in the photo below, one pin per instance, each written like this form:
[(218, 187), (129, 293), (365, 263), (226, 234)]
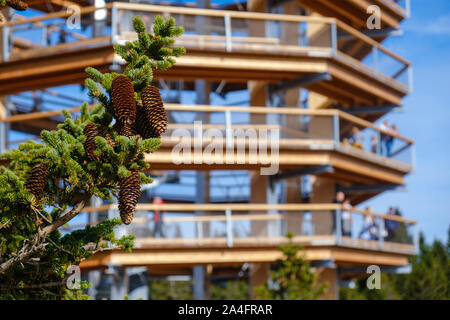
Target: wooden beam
[(189, 256)]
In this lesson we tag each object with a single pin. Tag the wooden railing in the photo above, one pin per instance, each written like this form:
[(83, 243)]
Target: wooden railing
[(230, 31), (338, 125), (231, 224)]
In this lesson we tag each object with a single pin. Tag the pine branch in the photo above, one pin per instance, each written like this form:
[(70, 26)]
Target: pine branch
[(37, 243), (83, 162)]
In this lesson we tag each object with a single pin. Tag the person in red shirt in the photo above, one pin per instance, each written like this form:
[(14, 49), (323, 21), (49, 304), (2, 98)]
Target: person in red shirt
[(158, 219)]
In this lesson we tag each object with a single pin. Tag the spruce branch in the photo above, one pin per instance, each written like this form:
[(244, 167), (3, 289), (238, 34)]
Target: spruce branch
[(99, 153), (37, 243)]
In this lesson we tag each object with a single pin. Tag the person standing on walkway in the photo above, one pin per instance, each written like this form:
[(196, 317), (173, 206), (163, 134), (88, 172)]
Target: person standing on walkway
[(158, 219), (339, 199)]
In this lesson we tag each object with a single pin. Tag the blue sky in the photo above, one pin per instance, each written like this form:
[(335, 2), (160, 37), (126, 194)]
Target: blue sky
[(426, 42)]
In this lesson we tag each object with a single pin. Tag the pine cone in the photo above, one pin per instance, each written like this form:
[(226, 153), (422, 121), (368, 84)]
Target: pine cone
[(129, 194), (127, 130), (122, 96), (153, 108), (142, 125), (91, 131), (37, 180), (17, 4), (110, 140)]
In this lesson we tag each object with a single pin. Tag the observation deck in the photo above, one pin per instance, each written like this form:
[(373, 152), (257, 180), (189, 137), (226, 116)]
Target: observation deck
[(230, 234), (230, 46)]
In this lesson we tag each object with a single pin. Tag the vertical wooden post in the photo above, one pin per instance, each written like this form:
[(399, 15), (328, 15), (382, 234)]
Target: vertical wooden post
[(259, 184), (331, 277), (202, 89), (3, 36), (292, 186)]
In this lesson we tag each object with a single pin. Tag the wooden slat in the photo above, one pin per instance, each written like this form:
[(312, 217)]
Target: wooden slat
[(59, 47), (220, 13), (217, 253), (236, 241), (250, 207), (131, 36), (189, 207)]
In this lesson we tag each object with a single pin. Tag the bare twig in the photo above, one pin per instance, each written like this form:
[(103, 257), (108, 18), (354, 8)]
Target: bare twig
[(5, 224), (36, 286), (39, 213)]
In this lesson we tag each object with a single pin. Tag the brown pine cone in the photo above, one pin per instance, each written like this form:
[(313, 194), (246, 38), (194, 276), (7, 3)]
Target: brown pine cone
[(91, 131), (153, 108), (110, 140), (142, 126), (122, 96), (37, 180), (17, 4), (127, 130), (129, 194)]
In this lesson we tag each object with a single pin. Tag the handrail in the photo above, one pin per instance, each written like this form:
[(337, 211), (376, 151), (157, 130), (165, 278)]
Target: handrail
[(217, 207), (208, 108), (371, 42), (221, 13), (237, 207), (54, 15)]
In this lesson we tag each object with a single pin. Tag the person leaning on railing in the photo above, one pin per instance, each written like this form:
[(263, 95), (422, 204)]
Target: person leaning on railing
[(390, 226), (356, 138), (370, 229), (374, 144), (388, 140)]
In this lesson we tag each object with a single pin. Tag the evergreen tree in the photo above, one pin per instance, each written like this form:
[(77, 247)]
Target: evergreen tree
[(98, 154), (430, 275), (429, 278), (388, 290), (170, 290), (230, 290), (292, 278)]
